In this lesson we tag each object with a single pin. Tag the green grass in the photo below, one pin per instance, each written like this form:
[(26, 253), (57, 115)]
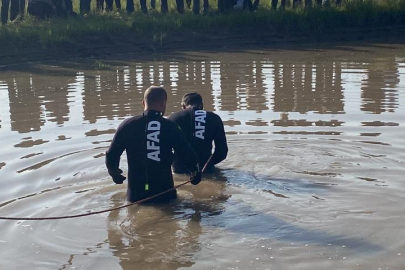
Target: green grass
[(101, 28)]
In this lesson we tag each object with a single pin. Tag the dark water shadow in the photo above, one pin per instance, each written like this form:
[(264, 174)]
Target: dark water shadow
[(242, 219), (279, 187), (264, 226)]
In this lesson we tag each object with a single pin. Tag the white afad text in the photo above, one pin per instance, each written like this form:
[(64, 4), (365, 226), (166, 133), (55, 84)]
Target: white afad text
[(152, 140), (200, 116)]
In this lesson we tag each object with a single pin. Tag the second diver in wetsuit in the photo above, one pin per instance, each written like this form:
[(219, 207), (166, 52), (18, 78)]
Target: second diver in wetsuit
[(201, 128)]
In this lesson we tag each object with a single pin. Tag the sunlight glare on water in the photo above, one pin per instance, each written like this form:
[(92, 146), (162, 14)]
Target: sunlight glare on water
[(313, 179)]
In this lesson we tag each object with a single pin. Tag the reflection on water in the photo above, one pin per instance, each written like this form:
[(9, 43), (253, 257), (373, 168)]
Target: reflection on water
[(170, 234), (316, 147), (377, 90), (265, 88), (167, 235)]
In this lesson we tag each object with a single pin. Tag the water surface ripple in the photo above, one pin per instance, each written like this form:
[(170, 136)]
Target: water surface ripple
[(314, 177)]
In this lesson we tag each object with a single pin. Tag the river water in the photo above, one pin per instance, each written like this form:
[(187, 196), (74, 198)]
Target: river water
[(314, 178)]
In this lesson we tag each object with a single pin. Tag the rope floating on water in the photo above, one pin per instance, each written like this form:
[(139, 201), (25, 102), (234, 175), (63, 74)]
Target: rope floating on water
[(106, 210)]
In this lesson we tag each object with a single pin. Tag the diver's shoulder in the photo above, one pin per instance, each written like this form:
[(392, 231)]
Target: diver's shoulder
[(213, 115), (131, 121), (179, 116)]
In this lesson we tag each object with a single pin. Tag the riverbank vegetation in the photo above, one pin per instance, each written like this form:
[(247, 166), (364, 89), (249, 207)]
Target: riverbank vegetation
[(155, 28)]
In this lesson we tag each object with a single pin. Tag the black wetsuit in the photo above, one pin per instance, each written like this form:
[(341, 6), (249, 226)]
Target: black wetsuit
[(201, 128), (149, 141)]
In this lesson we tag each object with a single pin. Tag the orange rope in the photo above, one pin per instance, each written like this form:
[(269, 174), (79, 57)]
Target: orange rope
[(106, 210)]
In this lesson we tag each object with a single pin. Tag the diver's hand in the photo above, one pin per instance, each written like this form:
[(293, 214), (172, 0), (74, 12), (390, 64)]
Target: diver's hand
[(196, 176), (117, 177)]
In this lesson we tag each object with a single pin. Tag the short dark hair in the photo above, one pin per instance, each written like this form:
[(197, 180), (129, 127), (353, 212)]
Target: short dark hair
[(155, 94), (192, 99)]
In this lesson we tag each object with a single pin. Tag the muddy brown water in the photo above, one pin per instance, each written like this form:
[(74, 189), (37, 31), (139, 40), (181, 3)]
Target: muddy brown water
[(314, 178)]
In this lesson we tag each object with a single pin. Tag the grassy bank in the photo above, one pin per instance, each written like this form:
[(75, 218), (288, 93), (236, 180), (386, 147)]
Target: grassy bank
[(156, 29)]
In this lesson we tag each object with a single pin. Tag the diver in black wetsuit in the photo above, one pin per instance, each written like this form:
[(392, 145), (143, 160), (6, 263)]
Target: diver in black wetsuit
[(148, 140), (201, 128)]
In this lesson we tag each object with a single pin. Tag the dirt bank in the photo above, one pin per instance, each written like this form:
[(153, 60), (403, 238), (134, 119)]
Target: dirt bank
[(95, 47)]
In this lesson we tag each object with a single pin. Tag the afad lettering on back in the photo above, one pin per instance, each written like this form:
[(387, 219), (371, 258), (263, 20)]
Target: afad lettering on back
[(199, 121), (152, 140)]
